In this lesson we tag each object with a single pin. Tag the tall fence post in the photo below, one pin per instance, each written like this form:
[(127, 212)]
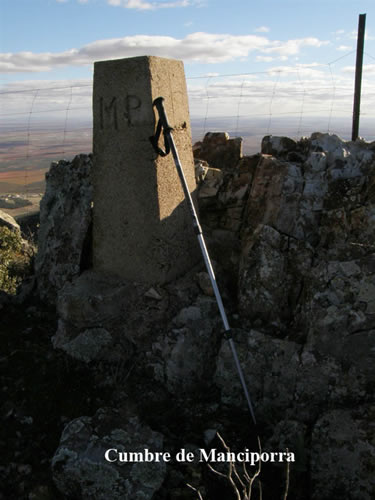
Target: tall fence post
[(358, 75)]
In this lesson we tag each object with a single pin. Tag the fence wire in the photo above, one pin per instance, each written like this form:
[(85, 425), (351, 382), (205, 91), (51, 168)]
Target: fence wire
[(47, 123)]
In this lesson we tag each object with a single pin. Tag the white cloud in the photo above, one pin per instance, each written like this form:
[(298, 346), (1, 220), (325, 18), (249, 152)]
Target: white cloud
[(268, 59), (308, 71), (299, 93), (264, 59), (144, 5), (368, 69), (347, 37), (195, 47), (353, 35), (46, 98), (348, 69), (262, 29), (344, 48), (338, 34), (292, 47), (290, 89)]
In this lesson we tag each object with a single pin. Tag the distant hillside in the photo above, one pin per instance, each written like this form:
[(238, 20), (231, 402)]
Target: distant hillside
[(33, 187), (36, 187), (7, 187)]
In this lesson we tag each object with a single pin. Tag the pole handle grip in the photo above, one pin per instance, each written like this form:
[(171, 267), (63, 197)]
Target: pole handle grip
[(162, 124), (159, 105)]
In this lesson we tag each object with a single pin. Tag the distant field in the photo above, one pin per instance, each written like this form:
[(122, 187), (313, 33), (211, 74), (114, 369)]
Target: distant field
[(26, 154), (31, 181), (30, 209)]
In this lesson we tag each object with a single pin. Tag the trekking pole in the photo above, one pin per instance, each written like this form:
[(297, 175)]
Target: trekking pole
[(170, 146)]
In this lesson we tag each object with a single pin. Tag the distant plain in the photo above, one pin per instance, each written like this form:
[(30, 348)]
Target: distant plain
[(25, 157)]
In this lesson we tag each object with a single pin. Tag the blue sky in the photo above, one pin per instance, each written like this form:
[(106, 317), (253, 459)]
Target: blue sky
[(59, 39), (290, 46)]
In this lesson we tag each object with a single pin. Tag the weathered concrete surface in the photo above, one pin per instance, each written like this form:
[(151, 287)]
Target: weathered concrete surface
[(142, 230)]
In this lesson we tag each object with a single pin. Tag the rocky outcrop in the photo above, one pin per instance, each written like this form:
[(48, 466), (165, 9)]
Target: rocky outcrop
[(65, 217), (9, 222), (305, 219), (277, 146), (177, 336), (291, 232), (87, 308), (184, 358), (80, 468), (306, 286), (219, 150), (344, 455)]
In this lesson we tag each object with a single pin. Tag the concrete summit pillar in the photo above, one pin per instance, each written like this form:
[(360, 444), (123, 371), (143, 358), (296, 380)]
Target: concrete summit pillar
[(141, 227)]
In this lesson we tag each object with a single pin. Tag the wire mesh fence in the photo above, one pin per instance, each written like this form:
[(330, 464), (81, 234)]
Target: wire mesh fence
[(45, 122)]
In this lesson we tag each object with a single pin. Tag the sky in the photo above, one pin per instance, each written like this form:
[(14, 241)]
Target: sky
[(60, 39), (240, 56)]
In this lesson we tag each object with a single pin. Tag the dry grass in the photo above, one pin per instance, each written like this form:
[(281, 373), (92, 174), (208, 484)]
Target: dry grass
[(242, 481)]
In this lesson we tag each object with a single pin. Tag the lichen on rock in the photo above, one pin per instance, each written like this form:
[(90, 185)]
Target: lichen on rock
[(291, 232), (65, 217), (80, 468)]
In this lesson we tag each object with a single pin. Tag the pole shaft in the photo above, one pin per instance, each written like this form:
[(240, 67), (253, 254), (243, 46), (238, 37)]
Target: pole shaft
[(198, 231), (209, 268), (358, 75)]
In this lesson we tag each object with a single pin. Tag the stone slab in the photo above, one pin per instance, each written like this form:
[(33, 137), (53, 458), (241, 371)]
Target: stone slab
[(141, 226)]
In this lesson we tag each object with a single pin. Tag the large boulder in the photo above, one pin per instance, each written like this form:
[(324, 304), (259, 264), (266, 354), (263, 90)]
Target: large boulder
[(81, 471), (287, 380), (277, 145), (271, 279), (270, 367), (97, 317), (343, 455), (306, 292), (320, 211), (65, 217), (8, 221), (338, 311), (184, 357), (222, 197), (219, 150)]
